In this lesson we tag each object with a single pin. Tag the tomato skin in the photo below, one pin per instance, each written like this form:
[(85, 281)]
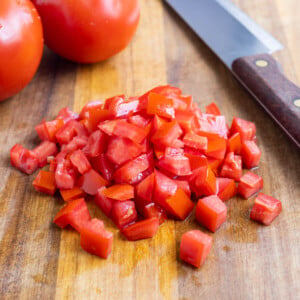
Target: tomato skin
[(23, 159), (21, 45), (95, 239), (80, 162), (232, 167), (91, 181), (246, 129), (120, 192), (250, 154), (141, 230), (45, 182), (44, 150), (153, 210), (90, 31), (226, 188), (211, 212), (74, 213), (179, 205), (72, 194), (249, 184), (265, 209), (123, 213), (104, 203), (194, 247)]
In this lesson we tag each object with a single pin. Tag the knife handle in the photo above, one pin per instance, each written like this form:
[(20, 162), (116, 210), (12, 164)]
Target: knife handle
[(262, 77)]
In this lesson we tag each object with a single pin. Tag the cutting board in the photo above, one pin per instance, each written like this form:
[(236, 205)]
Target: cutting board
[(38, 260)]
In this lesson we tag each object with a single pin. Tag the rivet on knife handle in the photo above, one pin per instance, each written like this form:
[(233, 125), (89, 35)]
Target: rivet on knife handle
[(262, 77)]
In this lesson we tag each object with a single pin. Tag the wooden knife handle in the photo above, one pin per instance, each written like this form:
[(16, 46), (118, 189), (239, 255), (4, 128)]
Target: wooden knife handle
[(263, 78)]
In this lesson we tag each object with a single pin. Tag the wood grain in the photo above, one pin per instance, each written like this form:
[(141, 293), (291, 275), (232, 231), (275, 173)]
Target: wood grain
[(247, 261)]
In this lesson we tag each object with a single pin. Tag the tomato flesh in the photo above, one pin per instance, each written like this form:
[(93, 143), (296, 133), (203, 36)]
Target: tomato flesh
[(195, 247), (45, 182), (226, 188), (141, 230), (211, 212), (249, 184), (123, 213), (95, 239), (74, 213), (120, 192), (265, 209), (23, 159)]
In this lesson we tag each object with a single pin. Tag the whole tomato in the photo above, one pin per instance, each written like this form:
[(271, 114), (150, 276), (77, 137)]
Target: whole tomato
[(88, 31), (21, 45)]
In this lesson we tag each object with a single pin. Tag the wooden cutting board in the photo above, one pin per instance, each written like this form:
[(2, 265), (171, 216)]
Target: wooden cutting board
[(247, 261)]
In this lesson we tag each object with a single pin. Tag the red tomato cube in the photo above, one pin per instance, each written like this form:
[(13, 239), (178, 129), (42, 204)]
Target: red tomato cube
[(249, 184), (153, 210), (160, 105), (91, 181), (72, 194), (80, 162), (23, 159), (211, 212), (265, 209), (104, 203), (141, 230), (123, 213), (74, 213), (45, 182), (164, 187), (246, 129), (232, 167), (250, 154), (234, 143), (121, 150), (44, 150), (226, 188), (120, 192), (131, 172), (203, 181), (179, 205), (194, 247), (95, 239)]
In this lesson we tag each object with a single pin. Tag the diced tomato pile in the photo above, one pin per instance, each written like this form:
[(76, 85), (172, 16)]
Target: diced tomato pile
[(143, 160)]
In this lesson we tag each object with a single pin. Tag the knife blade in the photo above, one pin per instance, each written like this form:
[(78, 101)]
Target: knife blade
[(245, 49)]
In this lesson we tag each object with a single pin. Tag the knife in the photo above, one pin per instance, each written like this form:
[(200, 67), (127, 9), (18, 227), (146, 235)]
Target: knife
[(245, 49)]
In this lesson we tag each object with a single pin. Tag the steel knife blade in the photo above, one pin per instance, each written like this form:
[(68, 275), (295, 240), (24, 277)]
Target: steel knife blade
[(245, 49)]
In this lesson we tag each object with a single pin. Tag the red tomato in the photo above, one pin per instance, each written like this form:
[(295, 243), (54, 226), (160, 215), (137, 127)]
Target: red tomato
[(45, 182), (179, 205), (104, 203), (95, 239), (123, 213), (91, 181), (249, 184), (211, 212), (232, 166), (80, 162), (141, 230), (226, 188), (44, 150), (120, 192), (194, 247), (23, 159), (74, 213), (21, 45), (89, 31), (265, 209), (153, 210), (72, 194)]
